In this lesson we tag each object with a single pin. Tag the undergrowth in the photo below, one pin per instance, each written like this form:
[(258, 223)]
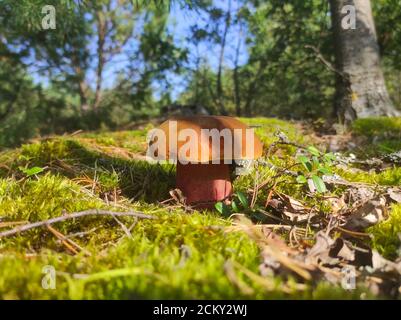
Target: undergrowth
[(381, 136), (178, 255)]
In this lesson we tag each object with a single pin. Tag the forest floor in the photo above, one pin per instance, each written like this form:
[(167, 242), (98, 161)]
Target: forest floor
[(318, 217)]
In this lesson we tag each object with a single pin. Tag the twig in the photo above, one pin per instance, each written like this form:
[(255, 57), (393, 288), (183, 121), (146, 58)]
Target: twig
[(308, 223), (80, 234), (11, 223), (272, 216), (232, 276), (256, 189), (123, 226), (269, 196), (62, 238), (327, 63), (270, 226), (95, 212), (283, 140), (352, 233)]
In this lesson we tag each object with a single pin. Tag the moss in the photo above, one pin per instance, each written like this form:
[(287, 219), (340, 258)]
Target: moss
[(170, 258), (179, 255), (42, 153), (383, 135), (42, 198), (176, 256), (108, 181), (387, 235), (378, 127), (265, 128), (134, 141), (388, 177), (90, 166)]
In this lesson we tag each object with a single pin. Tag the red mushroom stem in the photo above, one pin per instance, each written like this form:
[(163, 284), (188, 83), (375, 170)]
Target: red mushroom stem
[(204, 184)]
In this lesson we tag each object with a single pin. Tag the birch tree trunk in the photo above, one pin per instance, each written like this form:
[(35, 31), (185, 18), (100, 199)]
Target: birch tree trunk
[(360, 90)]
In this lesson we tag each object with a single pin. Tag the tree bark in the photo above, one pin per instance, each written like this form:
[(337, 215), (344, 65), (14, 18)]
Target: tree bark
[(219, 86), (360, 87), (101, 25), (237, 95), (82, 86)]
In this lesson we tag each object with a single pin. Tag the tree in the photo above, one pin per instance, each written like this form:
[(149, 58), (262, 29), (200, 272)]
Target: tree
[(360, 87), (283, 77), (99, 65)]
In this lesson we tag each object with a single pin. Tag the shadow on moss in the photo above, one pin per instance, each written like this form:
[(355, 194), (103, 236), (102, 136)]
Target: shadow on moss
[(383, 135), (134, 179)]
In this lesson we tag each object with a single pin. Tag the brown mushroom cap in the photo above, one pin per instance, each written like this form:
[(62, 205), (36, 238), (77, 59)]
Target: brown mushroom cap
[(240, 140)]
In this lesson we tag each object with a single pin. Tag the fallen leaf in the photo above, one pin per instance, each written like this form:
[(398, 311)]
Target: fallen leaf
[(379, 263), (178, 196), (293, 209), (338, 205), (394, 194), (343, 250), (367, 215), (360, 195), (320, 251)]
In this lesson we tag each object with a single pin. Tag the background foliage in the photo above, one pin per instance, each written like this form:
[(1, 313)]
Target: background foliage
[(110, 63)]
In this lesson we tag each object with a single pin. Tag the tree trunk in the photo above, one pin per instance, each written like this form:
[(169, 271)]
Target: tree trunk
[(360, 89), (237, 95), (101, 25), (219, 86)]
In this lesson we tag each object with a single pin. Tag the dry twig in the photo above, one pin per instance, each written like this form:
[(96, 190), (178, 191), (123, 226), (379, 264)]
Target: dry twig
[(94, 212)]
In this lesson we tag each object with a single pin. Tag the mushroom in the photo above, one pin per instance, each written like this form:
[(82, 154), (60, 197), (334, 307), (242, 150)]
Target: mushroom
[(205, 147)]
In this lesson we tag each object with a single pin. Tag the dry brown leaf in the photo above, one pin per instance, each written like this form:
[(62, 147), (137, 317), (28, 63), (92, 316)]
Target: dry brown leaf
[(320, 251), (293, 209), (381, 264), (342, 250), (337, 204), (395, 194), (367, 215), (360, 195)]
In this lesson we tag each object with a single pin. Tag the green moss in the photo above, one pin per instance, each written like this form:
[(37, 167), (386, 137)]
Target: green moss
[(378, 127), (179, 255), (108, 181), (42, 198), (265, 128), (387, 235), (43, 153), (83, 161), (383, 136), (388, 177), (134, 141)]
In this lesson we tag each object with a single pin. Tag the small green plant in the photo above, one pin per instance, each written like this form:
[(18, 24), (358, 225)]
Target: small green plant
[(239, 203), (29, 172), (315, 165)]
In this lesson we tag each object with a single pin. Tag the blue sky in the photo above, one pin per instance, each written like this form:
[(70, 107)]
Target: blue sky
[(179, 25), (180, 22)]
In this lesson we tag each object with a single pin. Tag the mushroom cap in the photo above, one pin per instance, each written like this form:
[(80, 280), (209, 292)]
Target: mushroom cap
[(233, 140)]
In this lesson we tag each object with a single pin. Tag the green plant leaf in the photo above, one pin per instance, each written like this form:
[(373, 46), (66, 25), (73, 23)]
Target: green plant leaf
[(301, 179), (329, 156), (325, 170), (313, 151), (305, 162), (223, 209), (319, 184), (315, 162), (31, 171), (243, 199), (234, 206)]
